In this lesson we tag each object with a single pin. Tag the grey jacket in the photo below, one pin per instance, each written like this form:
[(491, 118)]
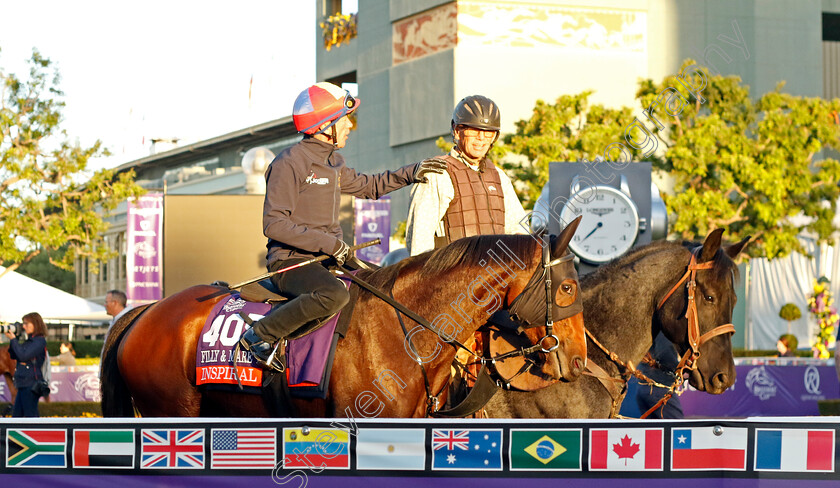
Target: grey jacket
[(302, 198)]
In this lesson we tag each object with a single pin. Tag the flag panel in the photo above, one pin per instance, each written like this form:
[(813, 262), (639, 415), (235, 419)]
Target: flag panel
[(36, 448), (391, 449), (243, 448), (701, 449), (632, 449), (542, 450), (467, 449), (103, 448)]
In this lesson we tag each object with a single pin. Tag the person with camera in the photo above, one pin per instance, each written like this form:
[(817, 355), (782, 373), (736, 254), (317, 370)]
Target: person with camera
[(30, 356)]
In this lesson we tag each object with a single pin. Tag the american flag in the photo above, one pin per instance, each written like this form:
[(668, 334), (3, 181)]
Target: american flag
[(449, 439), (243, 448), (172, 449)]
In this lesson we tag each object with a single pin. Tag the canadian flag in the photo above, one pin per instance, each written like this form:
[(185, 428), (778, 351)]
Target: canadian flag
[(625, 449)]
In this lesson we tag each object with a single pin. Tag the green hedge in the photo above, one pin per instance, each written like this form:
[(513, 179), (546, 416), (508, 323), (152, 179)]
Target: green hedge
[(753, 353), (61, 409), (84, 349)]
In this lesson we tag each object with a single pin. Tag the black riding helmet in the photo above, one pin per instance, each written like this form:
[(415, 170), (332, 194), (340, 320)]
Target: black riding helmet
[(478, 112)]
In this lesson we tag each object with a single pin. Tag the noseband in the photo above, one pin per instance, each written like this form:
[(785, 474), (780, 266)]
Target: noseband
[(695, 340)]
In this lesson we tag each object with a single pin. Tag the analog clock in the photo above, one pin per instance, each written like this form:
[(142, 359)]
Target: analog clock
[(610, 223)]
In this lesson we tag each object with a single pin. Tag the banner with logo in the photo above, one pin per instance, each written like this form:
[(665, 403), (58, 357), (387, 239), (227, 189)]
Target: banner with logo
[(67, 384), (767, 390), (373, 221), (144, 236)]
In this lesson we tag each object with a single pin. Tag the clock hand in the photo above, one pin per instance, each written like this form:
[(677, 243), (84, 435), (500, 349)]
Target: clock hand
[(600, 224)]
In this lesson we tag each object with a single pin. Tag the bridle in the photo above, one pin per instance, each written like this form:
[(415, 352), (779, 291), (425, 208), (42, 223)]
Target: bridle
[(695, 340), (478, 397), (688, 361)]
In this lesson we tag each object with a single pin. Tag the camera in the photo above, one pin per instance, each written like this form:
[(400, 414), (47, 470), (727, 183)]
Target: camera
[(14, 328)]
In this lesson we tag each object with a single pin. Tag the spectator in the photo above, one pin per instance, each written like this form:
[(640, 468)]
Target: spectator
[(660, 368), (786, 345), (68, 354), (115, 301), (30, 356)]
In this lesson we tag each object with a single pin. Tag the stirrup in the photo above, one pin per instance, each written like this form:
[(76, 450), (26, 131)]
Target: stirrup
[(263, 353)]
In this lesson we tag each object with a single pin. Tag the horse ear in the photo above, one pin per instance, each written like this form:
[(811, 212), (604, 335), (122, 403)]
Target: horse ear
[(561, 242), (734, 250), (711, 245)]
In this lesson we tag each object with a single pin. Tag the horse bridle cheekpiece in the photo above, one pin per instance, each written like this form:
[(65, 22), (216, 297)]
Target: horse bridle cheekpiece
[(526, 307), (695, 340)]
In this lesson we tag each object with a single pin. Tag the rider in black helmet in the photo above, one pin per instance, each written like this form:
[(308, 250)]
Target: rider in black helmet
[(473, 197)]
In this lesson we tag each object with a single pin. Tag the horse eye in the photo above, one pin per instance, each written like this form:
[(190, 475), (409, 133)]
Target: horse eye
[(567, 289), (709, 298)]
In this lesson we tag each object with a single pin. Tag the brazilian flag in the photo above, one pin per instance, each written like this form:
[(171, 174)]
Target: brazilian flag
[(545, 449)]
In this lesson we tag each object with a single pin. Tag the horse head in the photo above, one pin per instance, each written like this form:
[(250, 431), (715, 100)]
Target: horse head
[(553, 319), (699, 319)]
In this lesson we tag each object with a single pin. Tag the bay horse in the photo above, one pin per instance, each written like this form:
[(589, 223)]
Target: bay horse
[(623, 311), (7, 369), (149, 356)]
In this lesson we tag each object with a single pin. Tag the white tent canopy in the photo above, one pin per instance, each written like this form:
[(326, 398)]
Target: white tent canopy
[(20, 295)]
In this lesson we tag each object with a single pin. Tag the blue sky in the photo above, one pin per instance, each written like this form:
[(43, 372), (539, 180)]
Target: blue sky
[(136, 71)]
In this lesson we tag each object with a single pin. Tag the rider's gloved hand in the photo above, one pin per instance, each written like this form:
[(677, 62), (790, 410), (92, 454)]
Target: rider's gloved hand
[(427, 166), (341, 252)]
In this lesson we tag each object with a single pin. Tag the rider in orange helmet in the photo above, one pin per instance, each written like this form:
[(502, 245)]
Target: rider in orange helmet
[(300, 214)]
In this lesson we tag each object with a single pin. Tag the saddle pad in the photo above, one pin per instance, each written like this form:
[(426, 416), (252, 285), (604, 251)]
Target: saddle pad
[(221, 332)]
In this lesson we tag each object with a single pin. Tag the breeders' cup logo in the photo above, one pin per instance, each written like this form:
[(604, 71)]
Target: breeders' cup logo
[(145, 250), (760, 383), (234, 304), (372, 226), (88, 386), (812, 380)]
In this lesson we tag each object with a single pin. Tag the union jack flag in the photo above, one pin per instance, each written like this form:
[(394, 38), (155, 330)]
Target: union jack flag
[(179, 449), (450, 439)]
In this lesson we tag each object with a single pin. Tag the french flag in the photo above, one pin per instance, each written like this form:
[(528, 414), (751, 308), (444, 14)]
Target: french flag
[(797, 450), (699, 449)]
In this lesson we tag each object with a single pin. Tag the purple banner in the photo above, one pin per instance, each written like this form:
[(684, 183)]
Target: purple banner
[(373, 220), (298, 479), (767, 390), (144, 267), (67, 384)]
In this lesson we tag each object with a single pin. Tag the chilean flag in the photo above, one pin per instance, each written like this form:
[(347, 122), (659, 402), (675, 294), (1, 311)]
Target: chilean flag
[(699, 449)]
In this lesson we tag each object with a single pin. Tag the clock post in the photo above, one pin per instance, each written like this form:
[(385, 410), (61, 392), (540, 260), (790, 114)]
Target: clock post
[(621, 209)]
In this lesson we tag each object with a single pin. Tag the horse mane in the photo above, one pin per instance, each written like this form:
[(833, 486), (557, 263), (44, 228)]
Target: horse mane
[(722, 268), (472, 251)]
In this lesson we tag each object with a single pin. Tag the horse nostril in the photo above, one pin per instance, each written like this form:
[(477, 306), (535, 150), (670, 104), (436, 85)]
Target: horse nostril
[(720, 380)]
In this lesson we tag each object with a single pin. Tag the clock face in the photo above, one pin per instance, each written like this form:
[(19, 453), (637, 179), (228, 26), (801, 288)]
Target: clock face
[(609, 227)]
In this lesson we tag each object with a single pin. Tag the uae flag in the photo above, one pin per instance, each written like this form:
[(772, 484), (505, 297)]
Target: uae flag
[(103, 449)]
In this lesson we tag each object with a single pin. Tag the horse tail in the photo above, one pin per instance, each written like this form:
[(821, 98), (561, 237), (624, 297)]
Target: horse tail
[(116, 397)]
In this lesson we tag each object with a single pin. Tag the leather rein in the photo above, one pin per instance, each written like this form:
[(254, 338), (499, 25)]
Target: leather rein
[(478, 397), (687, 363)]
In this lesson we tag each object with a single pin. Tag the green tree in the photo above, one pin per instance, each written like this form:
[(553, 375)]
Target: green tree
[(747, 166), (39, 268), (49, 200), (790, 312)]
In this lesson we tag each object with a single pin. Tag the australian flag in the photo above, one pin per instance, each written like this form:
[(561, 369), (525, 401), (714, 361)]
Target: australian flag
[(467, 449)]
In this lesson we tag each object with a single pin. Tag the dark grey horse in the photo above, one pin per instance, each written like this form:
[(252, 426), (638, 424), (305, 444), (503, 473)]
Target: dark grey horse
[(620, 303)]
